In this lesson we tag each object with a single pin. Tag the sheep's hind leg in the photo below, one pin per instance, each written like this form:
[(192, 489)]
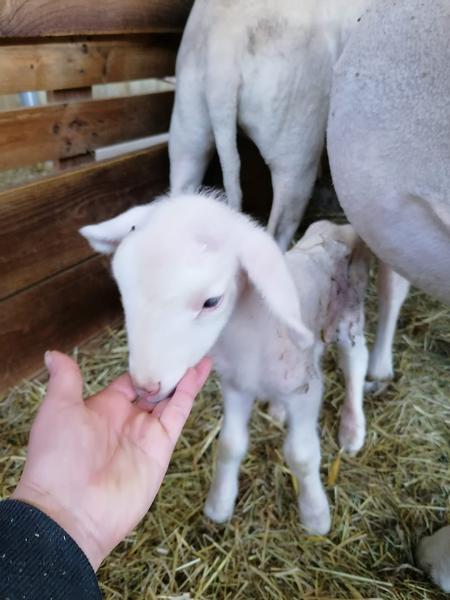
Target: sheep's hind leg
[(392, 292), (191, 141), (433, 556)]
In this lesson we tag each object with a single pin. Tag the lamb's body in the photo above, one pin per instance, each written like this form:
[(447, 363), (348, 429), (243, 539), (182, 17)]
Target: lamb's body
[(256, 358), (271, 318)]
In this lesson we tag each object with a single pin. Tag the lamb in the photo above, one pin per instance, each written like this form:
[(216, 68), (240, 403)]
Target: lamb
[(266, 65), (197, 277), (390, 112)]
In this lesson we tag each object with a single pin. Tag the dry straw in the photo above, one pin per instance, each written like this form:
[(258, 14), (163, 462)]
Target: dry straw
[(383, 500)]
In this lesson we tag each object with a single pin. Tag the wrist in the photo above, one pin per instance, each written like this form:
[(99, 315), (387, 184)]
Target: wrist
[(70, 521)]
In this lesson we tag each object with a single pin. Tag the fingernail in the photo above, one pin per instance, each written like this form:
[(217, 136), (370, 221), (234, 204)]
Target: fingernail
[(48, 360)]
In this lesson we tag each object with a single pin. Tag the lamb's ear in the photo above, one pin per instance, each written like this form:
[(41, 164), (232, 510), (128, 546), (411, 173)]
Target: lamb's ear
[(105, 237), (266, 267)]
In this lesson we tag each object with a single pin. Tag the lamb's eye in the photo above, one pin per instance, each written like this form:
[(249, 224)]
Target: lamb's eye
[(212, 302)]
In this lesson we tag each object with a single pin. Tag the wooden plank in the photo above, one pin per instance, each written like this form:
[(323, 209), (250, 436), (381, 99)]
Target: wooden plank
[(40, 221), (47, 65), (60, 131), (76, 159), (58, 314), (24, 18)]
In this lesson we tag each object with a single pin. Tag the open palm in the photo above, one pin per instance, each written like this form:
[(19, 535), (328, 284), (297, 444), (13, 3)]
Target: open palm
[(95, 467)]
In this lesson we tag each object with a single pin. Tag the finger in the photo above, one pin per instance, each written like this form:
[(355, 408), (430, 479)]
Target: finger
[(178, 408), (203, 370), (160, 408), (65, 385)]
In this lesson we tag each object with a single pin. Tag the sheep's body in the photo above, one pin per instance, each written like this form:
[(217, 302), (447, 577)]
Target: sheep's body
[(389, 148), (267, 333), (265, 65)]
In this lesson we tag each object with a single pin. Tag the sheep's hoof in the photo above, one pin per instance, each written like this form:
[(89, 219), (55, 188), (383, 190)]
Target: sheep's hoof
[(277, 412), (315, 520), (433, 557), (376, 387), (351, 436), (218, 511)]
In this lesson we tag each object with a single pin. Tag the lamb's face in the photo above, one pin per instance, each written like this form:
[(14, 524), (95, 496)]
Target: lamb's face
[(178, 291), (177, 263)]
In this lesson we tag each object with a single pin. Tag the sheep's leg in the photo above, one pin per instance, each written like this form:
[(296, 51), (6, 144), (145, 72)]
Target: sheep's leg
[(433, 556), (353, 360), (292, 190), (191, 142), (392, 292), (302, 453), (233, 442)]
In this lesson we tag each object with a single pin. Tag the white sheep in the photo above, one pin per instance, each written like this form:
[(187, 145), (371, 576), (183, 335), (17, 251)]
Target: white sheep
[(389, 147), (196, 277), (266, 66)]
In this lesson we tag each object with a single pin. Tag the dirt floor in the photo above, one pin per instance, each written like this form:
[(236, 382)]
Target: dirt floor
[(383, 500)]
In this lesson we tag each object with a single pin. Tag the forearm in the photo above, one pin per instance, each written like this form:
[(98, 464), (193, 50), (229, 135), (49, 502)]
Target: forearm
[(39, 559)]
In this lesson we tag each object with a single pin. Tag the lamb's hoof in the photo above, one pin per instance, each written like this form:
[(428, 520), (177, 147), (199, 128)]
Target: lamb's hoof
[(316, 520), (277, 412), (433, 557), (351, 437), (376, 386), (218, 510)]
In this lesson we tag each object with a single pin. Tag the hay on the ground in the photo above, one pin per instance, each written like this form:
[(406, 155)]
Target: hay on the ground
[(383, 500)]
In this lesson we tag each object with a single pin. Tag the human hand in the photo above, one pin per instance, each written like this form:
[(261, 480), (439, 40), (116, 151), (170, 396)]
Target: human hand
[(95, 467)]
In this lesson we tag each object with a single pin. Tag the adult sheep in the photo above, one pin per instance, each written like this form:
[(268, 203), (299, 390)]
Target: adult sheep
[(265, 66), (389, 147)]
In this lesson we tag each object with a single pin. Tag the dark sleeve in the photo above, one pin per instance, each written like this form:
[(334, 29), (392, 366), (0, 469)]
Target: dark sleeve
[(39, 560)]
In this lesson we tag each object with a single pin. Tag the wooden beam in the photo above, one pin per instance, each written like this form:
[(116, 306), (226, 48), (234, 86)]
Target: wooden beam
[(60, 131), (24, 18), (40, 221), (59, 313), (63, 64)]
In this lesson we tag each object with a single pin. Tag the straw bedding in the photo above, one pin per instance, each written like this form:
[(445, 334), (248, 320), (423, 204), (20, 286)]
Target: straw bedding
[(383, 500)]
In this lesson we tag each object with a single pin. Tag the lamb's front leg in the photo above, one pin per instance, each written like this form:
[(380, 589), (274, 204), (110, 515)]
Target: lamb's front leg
[(302, 453), (233, 442)]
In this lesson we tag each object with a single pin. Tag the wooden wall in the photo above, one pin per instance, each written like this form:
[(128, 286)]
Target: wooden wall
[(54, 292)]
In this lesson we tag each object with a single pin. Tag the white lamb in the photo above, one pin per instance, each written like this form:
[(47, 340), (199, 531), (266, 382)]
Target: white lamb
[(196, 277)]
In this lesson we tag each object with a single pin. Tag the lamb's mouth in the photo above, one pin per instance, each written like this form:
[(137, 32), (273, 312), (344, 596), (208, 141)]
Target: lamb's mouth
[(146, 400)]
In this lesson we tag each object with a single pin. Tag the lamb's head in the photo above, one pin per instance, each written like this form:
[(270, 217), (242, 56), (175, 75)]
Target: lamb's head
[(179, 263)]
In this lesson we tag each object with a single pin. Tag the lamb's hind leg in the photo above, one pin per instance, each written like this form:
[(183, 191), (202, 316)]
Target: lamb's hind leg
[(392, 292), (302, 453), (233, 442), (353, 360)]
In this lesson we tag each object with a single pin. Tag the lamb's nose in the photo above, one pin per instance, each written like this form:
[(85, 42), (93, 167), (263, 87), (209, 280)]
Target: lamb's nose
[(150, 390)]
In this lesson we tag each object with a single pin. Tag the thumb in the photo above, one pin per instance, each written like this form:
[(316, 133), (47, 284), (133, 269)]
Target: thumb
[(65, 386)]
